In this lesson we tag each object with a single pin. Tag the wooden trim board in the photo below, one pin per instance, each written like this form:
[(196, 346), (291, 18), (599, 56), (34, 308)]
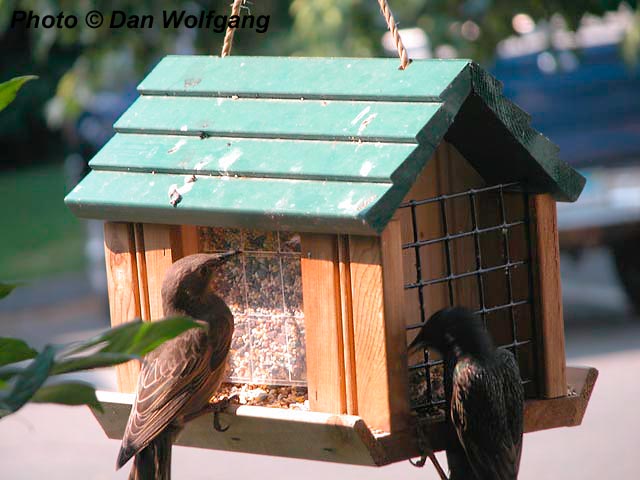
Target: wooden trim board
[(346, 304), (122, 284), (539, 414), (162, 247), (379, 334), (336, 438), (267, 431), (547, 290), (323, 323)]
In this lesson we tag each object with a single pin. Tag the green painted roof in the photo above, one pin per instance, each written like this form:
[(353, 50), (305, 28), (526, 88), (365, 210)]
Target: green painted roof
[(308, 144)]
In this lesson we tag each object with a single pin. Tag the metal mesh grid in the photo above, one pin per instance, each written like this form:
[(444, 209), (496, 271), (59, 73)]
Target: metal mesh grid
[(263, 288), (495, 280)]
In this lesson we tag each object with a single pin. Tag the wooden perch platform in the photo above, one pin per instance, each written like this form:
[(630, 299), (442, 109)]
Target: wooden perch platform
[(337, 438)]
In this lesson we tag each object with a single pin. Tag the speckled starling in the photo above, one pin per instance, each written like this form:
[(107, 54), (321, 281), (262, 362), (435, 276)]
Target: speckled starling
[(178, 378), (484, 394)]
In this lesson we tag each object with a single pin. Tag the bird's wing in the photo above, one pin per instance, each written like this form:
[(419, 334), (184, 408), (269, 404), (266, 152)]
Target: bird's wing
[(169, 376), (514, 399), (479, 412)]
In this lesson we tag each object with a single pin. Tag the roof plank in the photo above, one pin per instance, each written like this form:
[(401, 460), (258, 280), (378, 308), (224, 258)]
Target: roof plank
[(258, 118), (268, 158), (298, 205), (376, 79)]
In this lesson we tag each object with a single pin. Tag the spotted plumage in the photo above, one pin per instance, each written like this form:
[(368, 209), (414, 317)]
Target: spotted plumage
[(484, 394), (178, 378)]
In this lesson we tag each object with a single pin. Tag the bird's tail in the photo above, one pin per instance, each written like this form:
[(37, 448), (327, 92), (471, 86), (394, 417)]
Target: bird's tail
[(154, 461)]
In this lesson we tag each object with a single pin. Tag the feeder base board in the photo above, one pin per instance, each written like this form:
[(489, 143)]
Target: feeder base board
[(337, 438)]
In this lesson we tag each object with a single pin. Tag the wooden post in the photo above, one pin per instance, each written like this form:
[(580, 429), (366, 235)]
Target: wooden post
[(379, 329), (545, 262), (122, 282), (323, 323)]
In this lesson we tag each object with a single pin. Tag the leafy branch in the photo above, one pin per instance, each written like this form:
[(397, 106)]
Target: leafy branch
[(21, 384), (37, 381)]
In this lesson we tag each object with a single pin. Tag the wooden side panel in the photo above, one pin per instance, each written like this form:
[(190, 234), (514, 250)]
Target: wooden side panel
[(379, 329), (446, 172), (455, 174), (545, 254), (122, 281), (162, 247), (323, 325)]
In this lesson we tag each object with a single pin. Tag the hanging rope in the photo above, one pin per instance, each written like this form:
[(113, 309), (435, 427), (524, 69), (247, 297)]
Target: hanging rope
[(384, 8), (393, 28), (228, 36)]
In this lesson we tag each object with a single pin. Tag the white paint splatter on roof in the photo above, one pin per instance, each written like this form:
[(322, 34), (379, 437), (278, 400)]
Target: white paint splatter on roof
[(360, 115), (177, 146), (203, 163), (366, 122), (366, 168), (229, 159)]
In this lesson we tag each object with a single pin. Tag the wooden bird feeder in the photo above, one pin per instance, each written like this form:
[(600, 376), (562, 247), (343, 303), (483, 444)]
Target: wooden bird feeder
[(363, 198)]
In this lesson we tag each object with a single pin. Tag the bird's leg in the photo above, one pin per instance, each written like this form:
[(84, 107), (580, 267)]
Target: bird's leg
[(426, 452), (215, 408), (218, 407), (436, 464)]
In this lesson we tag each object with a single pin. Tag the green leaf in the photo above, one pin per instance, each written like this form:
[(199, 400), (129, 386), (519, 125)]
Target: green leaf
[(149, 336), (7, 288), (137, 337), (28, 381), (68, 393), (9, 89), (96, 360), (14, 350)]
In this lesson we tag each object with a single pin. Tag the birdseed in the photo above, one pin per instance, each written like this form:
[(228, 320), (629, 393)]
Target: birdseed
[(418, 388), (289, 396), (263, 288)]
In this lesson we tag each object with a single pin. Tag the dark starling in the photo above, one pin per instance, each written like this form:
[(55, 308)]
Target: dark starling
[(484, 394), (178, 378)]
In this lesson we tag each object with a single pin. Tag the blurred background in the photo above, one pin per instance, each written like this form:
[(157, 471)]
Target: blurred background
[(572, 64)]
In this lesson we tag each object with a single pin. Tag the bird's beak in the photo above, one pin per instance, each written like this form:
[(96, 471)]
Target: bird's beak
[(217, 259), (220, 258), (223, 257)]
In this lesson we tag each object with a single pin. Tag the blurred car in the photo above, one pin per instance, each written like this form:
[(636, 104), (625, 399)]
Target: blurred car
[(586, 99)]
